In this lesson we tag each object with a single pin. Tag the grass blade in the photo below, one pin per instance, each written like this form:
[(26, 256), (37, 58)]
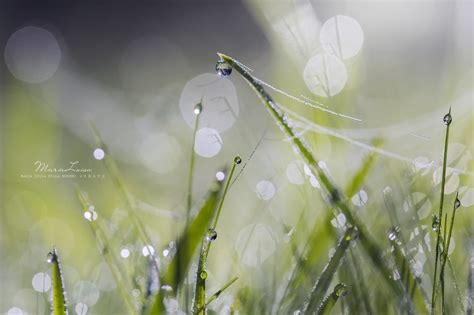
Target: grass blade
[(337, 199), (190, 238), (219, 292), (59, 304), (362, 173), (447, 119), (328, 303), (322, 284)]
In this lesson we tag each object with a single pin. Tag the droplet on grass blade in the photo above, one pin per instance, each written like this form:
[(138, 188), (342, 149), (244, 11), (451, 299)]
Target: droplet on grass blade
[(197, 109), (340, 289), (223, 68), (203, 274), (237, 159), (435, 223), (211, 235), (393, 233), (447, 119)]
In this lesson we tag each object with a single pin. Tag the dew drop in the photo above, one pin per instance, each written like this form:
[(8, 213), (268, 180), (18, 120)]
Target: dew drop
[(90, 215), (203, 275), (124, 253), (99, 154), (220, 176), (393, 233), (447, 119), (197, 108), (50, 257), (340, 289), (435, 223), (223, 68), (237, 159), (457, 203), (211, 235)]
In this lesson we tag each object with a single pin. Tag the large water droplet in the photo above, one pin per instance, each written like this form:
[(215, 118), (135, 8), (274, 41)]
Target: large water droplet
[(203, 275), (457, 203), (393, 233), (211, 235), (223, 68), (51, 257), (447, 119), (237, 159), (435, 223), (197, 108), (340, 289)]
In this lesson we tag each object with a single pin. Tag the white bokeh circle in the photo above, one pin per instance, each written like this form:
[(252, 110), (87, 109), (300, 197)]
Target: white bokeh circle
[(32, 54), (325, 75), (342, 35), (208, 142), (220, 107)]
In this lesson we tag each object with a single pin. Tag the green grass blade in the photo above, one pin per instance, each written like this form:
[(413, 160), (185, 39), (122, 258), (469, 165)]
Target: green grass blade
[(359, 178), (328, 303), (121, 278), (218, 293), (447, 242), (59, 304), (447, 119), (199, 303), (371, 248), (320, 287), (190, 238)]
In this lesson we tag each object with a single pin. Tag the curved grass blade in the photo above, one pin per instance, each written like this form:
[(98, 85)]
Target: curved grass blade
[(447, 119), (336, 197), (328, 303), (187, 244), (322, 284), (59, 303), (190, 238)]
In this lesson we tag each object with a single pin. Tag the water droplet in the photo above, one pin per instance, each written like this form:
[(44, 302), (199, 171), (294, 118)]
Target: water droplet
[(211, 235), (99, 154), (51, 257), (447, 119), (223, 68), (352, 235), (203, 275), (170, 250), (220, 176), (90, 215), (237, 159), (124, 253), (340, 289), (393, 233), (457, 203), (198, 108), (148, 250), (435, 224), (167, 288)]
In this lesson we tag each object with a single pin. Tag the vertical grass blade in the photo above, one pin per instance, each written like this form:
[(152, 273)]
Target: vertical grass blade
[(447, 242), (328, 303), (320, 287), (337, 199), (191, 237), (447, 120), (199, 305), (59, 304)]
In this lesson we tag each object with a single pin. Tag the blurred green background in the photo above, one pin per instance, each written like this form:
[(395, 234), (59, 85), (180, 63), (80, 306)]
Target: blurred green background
[(136, 69)]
